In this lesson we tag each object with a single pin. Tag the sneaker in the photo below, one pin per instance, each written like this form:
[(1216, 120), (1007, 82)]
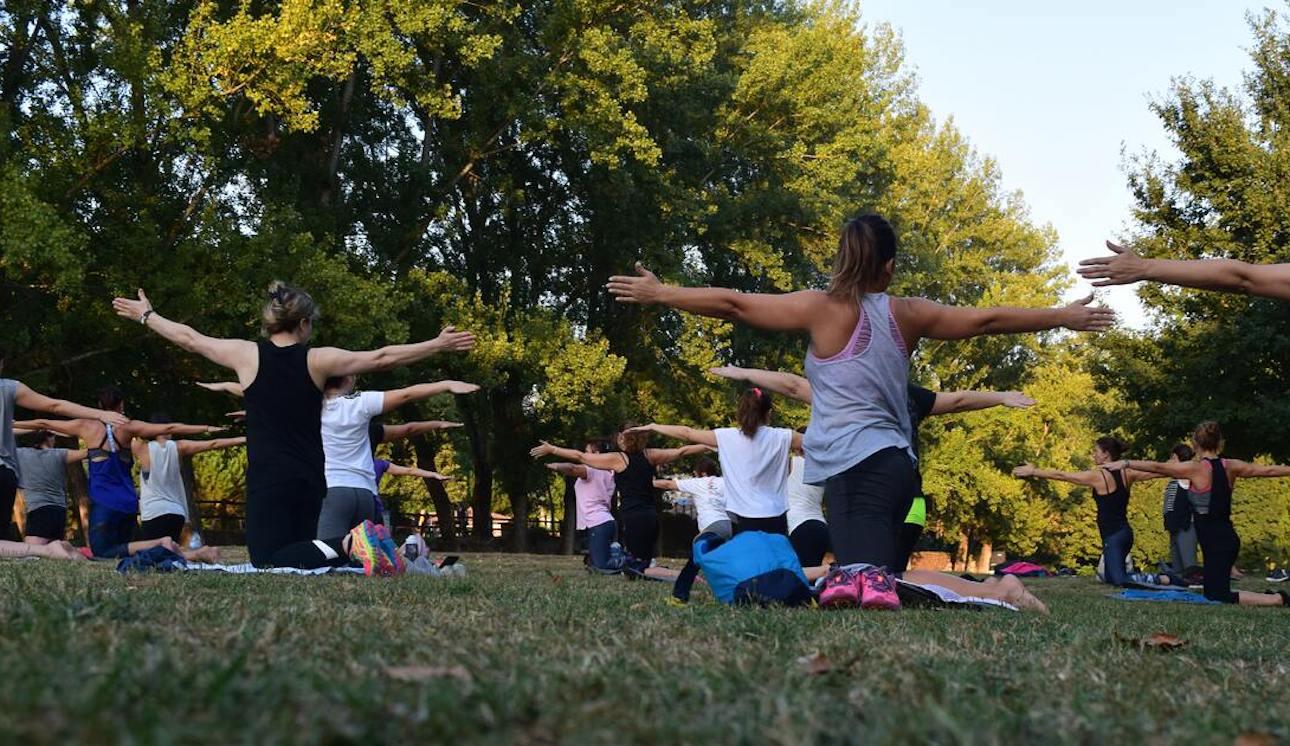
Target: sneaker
[(841, 589), (1278, 576), (878, 589), (365, 546)]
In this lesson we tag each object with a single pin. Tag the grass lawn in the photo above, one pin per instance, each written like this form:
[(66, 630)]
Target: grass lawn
[(532, 649)]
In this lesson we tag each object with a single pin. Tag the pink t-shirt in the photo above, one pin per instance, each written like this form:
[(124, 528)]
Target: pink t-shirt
[(594, 494)]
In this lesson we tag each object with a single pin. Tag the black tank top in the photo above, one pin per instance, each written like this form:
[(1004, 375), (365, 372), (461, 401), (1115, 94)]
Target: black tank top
[(1220, 492), (635, 483), (1113, 507), (283, 419)]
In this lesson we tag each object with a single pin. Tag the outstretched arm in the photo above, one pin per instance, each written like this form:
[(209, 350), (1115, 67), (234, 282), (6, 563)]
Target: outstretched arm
[(65, 428), (77, 456), (1174, 469), (951, 402), (664, 456), (1081, 478), (325, 362), (919, 317), (237, 355), (577, 471), (665, 484), (194, 447), (1238, 468), (142, 429), (398, 397), (1125, 267), (784, 312), (786, 384), (614, 462), (412, 471), (408, 429), (228, 387), (680, 432), (27, 398)]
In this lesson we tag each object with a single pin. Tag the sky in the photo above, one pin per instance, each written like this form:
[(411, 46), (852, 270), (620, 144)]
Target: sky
[(1059, 93)]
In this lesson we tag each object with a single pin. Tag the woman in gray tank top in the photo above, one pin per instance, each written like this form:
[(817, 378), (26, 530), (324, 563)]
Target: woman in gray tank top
[(857, 443), (44, 488)]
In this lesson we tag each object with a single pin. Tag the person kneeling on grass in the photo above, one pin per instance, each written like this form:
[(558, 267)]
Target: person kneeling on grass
[(163, 500), (44, 487), (593, 491)]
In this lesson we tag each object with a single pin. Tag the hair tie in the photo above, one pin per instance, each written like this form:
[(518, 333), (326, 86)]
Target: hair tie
[(278, 295), (756, 392)]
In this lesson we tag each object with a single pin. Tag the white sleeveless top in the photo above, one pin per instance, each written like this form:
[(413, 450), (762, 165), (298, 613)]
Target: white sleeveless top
[(162, 491)]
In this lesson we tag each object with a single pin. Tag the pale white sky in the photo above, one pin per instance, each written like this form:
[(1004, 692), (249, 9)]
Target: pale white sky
[(1054, 92)]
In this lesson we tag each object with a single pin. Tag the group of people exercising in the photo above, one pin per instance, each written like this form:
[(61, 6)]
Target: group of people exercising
[(309, 437)]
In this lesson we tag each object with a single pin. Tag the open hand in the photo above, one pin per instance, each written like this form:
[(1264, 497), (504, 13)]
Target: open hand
[(1081, 317), (642, 287), (727, 371), (1023, 471), (542, 450), (1123, 267), (115, 419), (130, 308), (444, 424), (451, 340), (461, 387), (237, 416), (1017, 399)]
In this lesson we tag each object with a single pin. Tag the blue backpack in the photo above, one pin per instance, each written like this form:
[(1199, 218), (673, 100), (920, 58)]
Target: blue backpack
[(753, 568)]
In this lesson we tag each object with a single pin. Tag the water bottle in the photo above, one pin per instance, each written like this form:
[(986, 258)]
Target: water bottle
[(195, 540), (410, 549)]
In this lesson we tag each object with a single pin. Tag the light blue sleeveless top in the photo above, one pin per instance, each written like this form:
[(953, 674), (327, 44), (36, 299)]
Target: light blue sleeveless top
[(858, 397)]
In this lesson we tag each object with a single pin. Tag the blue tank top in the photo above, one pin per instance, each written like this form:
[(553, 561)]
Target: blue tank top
[(859, 397), (111, 483)]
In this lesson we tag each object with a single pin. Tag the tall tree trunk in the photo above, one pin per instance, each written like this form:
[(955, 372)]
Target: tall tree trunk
[(443, 507), (78, 496), (983, 556), (567, 536), (481, 499)]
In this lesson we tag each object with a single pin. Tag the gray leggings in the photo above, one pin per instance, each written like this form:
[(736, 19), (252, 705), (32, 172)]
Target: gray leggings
[(344, 508)]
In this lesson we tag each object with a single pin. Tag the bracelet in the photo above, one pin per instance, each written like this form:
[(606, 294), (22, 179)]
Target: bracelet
[(144, 318)]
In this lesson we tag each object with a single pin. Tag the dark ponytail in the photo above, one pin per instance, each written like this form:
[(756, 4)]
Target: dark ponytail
[(753, 411), (1114, 447)]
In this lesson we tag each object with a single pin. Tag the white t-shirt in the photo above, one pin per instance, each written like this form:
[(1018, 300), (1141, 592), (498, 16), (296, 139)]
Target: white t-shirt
[(162, 491), (804, 500), (755, 470), (709, 499), (345, 443)]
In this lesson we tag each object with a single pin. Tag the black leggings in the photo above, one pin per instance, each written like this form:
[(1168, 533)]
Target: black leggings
[(640, 534), (281, 521), (867, 504), (811, 542), (1220, 543), (170, 524), (905, 543), (776, 524), (8, 494)]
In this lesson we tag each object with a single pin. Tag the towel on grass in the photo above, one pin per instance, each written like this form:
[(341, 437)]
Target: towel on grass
[(246, 568), (1174, 595), (916, 596)]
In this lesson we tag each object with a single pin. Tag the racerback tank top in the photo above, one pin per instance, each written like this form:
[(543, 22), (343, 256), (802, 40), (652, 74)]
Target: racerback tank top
[(859, 396), (636, 483), (1215, 502), (111, 481), (1113, 507), (283, 419)]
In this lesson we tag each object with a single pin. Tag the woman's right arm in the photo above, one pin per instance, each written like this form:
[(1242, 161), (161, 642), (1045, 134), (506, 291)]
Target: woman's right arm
[(412, 471), (680, 432), (228, 387), (614, 462), (1081, 478), (1124, 267), (65, 428), (797, 311), (1175, 469), (786, 384), (408, 429), (398, 397), (919, 317), (237, 355), (326, 362), (77, 456)]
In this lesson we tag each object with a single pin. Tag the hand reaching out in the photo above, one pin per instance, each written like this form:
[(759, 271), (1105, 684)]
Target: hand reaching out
[(130, 308), (451, 340), (1017, 399), (643, 287), (1123, 267), (1079, 316)]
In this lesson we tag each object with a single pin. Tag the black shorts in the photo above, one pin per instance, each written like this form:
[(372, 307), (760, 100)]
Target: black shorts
[(170, 524), (48, 522)]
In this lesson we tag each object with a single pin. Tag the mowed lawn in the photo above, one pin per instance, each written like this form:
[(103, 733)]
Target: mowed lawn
[(531, 649)]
